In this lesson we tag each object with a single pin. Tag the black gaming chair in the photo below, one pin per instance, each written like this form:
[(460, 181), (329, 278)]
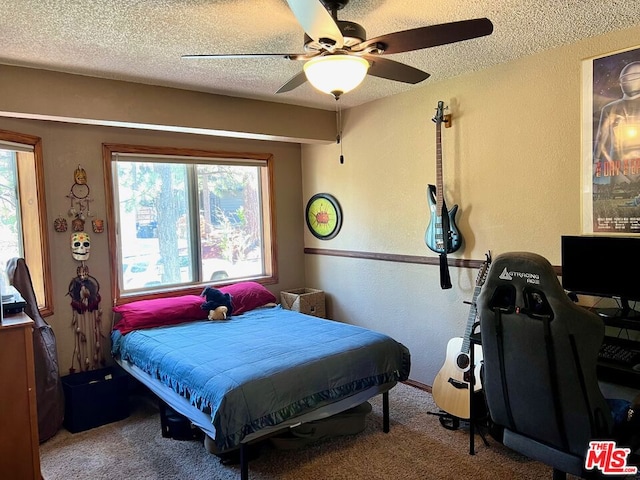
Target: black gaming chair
[(540, 352)]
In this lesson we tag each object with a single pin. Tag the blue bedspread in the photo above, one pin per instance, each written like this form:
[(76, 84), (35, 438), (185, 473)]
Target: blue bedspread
[(263, 367)]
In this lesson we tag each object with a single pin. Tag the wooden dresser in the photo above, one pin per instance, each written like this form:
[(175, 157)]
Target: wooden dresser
[(19, 442)]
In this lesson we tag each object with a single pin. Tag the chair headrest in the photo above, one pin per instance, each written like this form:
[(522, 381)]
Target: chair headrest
[(524, 282)]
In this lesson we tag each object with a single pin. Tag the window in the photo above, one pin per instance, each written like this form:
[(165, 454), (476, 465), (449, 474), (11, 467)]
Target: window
[(23, 216), (184, 218)]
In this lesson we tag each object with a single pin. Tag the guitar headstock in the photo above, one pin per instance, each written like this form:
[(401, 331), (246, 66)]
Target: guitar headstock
[(439, 118), (484, 269)]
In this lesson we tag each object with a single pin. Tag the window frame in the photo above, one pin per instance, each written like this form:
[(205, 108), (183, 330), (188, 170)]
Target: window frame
[(109, 150), (33, 211)]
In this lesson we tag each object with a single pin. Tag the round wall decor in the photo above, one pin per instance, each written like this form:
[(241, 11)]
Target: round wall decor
[(324, 216)]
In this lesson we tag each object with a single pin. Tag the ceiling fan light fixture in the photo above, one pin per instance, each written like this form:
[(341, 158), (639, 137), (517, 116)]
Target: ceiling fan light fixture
[(336, 74)]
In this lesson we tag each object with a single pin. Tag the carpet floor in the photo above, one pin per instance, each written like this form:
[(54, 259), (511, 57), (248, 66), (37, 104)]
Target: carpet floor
[(416, 448)]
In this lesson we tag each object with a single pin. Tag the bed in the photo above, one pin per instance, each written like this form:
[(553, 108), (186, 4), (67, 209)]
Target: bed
[(262, 370)]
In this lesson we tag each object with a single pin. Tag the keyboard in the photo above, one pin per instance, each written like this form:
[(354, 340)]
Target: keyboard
[(616, 353)]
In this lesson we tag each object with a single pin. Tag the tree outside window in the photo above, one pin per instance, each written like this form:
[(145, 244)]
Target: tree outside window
[(188, 220)]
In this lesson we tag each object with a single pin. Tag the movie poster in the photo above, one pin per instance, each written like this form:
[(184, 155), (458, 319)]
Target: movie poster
[(611, 123)]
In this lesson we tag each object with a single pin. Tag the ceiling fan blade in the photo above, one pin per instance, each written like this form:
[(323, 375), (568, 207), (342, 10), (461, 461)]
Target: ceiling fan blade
[(430, 36), (392, 70), (316, 21), (294, 82), (289, 56)]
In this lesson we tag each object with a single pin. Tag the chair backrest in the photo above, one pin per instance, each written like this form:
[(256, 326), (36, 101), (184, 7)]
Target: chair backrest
[(540, 351), (49, 394)]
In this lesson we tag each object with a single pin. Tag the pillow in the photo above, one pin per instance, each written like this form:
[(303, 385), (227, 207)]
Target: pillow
[(246, 296), (159, 312)]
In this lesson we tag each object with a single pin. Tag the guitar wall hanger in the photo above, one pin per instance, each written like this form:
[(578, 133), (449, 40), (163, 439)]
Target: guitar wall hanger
[(440, 117)]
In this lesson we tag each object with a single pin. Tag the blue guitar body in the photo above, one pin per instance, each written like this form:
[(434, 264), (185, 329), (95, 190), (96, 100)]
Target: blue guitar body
[(435, 236)]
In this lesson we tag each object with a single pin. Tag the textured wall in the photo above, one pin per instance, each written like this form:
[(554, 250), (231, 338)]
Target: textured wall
[(512, 161)]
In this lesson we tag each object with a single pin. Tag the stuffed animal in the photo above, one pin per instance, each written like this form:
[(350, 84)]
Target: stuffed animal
[(217, 303)]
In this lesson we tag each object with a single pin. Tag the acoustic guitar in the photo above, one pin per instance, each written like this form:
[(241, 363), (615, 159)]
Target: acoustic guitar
[(451, 386), (442, 235)]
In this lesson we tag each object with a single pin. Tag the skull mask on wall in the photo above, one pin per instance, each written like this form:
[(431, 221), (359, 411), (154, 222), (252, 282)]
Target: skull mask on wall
[(80, 246)]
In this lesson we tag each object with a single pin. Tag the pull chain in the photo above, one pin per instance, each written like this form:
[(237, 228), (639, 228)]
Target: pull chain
[(339, 127)]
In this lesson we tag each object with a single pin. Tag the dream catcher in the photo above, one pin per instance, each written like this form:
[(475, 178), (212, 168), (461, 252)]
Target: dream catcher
[(86, 321), (79, 207)]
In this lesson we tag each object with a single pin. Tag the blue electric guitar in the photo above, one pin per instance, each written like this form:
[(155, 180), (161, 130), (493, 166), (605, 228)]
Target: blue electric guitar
[(442, 235)]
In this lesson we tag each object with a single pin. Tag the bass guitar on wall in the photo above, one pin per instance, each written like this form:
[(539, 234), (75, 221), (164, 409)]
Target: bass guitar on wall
[(442, 235), (451, 386)]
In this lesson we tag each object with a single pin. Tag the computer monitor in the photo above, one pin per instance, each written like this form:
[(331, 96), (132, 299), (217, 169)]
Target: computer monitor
[(603, 266)]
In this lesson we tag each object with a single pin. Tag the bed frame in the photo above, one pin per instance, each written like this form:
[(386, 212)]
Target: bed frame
[(203, 420)]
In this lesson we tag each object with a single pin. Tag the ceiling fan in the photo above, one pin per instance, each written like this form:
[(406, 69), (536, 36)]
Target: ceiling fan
[(338, 55)]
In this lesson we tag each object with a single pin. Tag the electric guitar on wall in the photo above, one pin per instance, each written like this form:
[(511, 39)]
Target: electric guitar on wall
[(442, 235), (451, 386)]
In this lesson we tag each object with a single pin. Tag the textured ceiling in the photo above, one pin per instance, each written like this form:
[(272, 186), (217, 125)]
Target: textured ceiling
[(143, 40)]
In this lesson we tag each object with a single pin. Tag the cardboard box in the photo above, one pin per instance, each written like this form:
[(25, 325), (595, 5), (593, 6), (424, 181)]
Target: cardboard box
[(304, 300), (95, 398)]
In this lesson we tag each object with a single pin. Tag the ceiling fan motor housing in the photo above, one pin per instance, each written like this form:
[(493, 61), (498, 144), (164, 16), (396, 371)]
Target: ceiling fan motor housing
[(352, 32)]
